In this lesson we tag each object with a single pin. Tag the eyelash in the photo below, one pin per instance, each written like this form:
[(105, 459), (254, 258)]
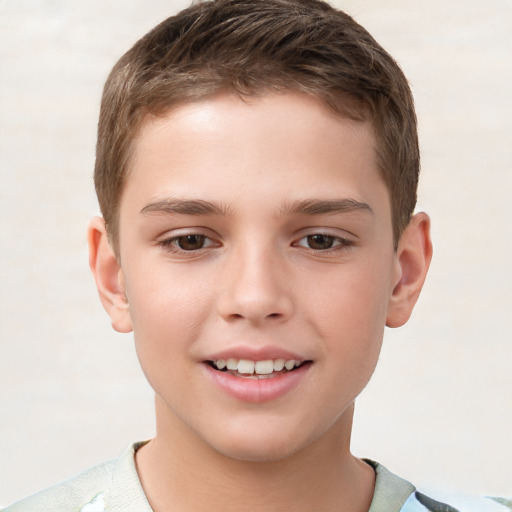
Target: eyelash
[(171, 244), (337, 243)]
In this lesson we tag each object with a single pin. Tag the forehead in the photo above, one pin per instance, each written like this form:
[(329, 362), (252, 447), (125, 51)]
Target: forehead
[(276, 145)]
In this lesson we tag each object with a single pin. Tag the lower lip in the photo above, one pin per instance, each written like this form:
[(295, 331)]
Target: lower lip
[(257, 390)]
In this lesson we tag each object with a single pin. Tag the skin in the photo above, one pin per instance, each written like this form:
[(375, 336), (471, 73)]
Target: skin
[(262, 271)]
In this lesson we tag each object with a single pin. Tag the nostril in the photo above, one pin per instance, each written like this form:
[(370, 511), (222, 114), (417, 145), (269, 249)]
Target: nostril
[(254, 304)]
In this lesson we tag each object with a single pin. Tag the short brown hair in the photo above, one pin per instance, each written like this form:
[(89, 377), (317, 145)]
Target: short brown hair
[(252, 47)]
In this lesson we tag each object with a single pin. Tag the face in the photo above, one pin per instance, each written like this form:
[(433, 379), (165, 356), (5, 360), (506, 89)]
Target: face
[(256, 234)]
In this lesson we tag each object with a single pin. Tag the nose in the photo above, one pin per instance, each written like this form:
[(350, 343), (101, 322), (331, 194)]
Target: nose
[(255, 286)]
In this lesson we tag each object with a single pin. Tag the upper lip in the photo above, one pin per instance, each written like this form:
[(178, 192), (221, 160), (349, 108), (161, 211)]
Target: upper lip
[(255, 354)]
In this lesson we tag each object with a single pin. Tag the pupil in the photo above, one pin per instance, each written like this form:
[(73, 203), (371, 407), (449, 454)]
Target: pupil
[(191, 242), (320, 241)]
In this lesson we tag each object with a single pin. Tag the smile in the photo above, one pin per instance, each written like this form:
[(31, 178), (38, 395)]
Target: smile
[(264, 369), (257, 381)]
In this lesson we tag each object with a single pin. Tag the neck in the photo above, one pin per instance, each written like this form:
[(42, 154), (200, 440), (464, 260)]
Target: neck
[(181, 473)]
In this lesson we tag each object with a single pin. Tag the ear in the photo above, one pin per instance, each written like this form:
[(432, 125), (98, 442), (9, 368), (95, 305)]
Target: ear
[(412, 259), (108, 276)]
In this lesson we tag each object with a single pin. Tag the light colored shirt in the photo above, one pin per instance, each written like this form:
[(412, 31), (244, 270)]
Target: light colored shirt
[(114, 486)]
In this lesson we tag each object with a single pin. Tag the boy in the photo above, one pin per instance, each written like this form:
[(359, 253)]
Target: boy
[(257, 166)]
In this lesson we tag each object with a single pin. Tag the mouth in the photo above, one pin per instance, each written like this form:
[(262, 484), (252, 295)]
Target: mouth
[(262, 369)]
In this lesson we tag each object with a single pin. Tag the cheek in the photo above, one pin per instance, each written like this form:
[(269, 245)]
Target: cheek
[(166, 330), (349, 317), (350, 300), (167, 309)]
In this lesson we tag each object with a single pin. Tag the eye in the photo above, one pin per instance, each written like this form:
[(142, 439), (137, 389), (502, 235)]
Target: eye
[(320, 242), (188, 242), (323, 242)]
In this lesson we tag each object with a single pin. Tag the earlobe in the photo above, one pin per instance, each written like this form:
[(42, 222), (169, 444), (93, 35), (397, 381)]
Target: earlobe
[(108, 276), (413, 258)]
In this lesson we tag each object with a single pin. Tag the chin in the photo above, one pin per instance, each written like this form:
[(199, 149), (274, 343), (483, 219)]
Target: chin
[(255, 452), (258, 444)]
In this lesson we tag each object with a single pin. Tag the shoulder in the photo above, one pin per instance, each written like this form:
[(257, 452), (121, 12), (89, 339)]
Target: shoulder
[(454, 502), (70, 494), (113, 485), (394, 494)]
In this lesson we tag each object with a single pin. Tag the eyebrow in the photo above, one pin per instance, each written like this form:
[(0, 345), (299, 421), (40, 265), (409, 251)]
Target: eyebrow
[(304, 207), (323, 206), (185, 207)]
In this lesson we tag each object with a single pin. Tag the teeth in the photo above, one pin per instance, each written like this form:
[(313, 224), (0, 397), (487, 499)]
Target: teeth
[(289, 365), (232, 364), (278, 365), (245, 366), (265, 367)]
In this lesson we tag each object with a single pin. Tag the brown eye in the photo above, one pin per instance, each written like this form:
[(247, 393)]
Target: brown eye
[(320, 242), (191, 242)]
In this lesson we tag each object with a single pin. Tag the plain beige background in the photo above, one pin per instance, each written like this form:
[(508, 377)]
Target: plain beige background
[(439, 409)]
